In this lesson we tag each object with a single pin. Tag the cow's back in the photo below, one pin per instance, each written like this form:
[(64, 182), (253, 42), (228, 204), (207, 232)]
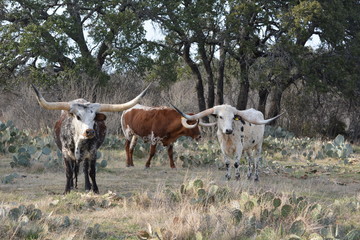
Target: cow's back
[(144, 121)]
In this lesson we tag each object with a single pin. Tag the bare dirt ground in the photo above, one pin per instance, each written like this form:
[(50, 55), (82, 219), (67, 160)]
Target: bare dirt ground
[(127, 181), (318, 183)]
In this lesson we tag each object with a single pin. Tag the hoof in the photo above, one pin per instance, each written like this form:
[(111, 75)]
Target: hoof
[(146, 167), (129, 165), (227, 177), (237, 178)]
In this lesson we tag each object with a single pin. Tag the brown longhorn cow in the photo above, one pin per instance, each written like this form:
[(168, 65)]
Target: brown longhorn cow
[(79, 132), (158, 125)]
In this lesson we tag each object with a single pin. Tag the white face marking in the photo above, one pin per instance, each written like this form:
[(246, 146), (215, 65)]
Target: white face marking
[(225, 117), (83, 117)]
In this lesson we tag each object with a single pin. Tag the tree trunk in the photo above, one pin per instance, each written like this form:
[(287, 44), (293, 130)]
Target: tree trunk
[(220, 80), (263, 95), (244, 88), (275, 104), (210, 75), (199, 84)]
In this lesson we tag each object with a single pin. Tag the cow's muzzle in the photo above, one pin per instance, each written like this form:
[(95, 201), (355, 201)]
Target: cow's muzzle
[(228, 131), (89, 133)]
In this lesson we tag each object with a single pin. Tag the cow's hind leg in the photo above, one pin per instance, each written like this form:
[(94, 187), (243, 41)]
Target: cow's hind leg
[(76, 171), (256, 161), (151, 155), (170, 149), (250, 163)]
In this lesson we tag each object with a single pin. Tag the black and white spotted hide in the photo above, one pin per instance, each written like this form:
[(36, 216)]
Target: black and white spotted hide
[(79, 143)]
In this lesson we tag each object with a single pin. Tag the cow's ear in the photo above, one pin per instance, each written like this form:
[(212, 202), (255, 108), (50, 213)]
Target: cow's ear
[(100, 117)]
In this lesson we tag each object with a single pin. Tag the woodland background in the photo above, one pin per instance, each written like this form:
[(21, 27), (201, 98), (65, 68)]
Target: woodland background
[(297, 57)]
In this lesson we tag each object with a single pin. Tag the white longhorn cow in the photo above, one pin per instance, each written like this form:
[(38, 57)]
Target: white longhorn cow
[(238, 131)]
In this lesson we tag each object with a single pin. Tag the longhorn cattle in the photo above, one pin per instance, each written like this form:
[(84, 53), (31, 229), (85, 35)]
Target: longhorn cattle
[(238, 131), (79, 132), (156, 125)]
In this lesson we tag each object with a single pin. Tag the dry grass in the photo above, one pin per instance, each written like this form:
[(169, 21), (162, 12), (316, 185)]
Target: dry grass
[(135, 201)]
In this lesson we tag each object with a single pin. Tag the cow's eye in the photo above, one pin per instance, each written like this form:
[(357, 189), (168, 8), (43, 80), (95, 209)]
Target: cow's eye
[(220, 117), (78, 118)]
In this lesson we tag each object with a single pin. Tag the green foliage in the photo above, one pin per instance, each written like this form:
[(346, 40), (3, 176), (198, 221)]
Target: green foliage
[(203, 195), (38, 30), (298, 228), (338, 148), (236, 216), (306, 147), (9, 178)]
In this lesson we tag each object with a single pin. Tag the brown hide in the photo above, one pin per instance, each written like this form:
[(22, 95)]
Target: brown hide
[(159, 122), (163, 122)]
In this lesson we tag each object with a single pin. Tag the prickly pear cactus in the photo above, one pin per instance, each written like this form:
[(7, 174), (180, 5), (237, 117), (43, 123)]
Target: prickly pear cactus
[(286, 210), (298, 227)]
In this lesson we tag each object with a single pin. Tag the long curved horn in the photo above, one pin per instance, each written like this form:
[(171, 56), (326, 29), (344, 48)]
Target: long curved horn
[(50, 105), (202, 114), (124, 106), (186, 125), (252, 117), (203, 124)]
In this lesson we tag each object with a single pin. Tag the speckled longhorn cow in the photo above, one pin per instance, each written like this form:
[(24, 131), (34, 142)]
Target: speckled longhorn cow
[(238, 131), (79, 132), (157, 125)]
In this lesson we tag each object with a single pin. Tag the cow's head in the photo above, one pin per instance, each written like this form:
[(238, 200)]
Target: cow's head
[(84, 114), (192, 130), (226, 115), (191, 127)]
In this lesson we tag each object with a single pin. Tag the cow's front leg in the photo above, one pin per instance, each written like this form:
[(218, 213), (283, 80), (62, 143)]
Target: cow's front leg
[(93, 175), (69, 175), (86, 175), (237, 167), (170, 149), (228, 168), (151, 155)]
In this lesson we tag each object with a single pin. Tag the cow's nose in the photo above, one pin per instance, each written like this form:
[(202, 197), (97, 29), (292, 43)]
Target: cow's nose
[(228, 131), (89, 133)]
